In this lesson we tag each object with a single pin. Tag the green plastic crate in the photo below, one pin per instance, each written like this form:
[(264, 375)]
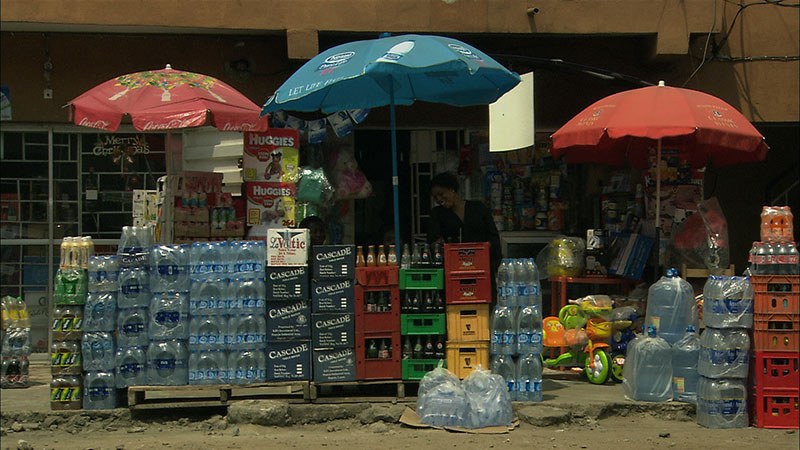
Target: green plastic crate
[(421, 278), (422, 324), (415, 369)]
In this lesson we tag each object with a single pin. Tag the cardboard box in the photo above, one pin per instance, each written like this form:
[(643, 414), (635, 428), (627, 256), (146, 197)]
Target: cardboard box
[(629, 255), (288, 321), (332, 365), (333, 331), (333, 296), (287, 283), (334, 261), (287, 247), (271, 155), (289, 361), (270, 205)]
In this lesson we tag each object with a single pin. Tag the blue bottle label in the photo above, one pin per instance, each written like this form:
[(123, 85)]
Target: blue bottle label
[(509, 338), (101, 392), (497, 337), (165, 364), (131, 369), (524, 338), (167, 317)]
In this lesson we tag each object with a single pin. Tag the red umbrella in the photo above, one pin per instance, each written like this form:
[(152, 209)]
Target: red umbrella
[(166, 100), (623, 128)]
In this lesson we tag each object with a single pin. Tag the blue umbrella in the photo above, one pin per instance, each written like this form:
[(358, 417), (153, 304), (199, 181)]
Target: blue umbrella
[(394, 70)]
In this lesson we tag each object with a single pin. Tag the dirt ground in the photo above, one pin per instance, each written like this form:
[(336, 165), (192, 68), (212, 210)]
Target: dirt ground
[(632, 432)]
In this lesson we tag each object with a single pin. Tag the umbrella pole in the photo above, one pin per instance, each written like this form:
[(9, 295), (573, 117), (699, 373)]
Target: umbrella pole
[(658, 211), (395, 184)]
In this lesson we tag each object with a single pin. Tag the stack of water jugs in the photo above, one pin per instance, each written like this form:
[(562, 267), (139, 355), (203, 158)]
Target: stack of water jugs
[(227, 332), (99, 323), (517, 329), (16, 343)]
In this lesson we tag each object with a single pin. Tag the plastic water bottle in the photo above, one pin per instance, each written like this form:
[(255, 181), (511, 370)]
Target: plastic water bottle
[(100, 311), (247, 366), (208, 367), (503, 331), (134, 287), (529, 330), (248, 294), (521, 283), (103, 275), (248, 257), (169, 316), (131, 363), (249, 331), (16, 342), (169, 268), (98, 351), (722, 403), (167, 363), (207, 332), (728, 302), (724, 353), (534, 284), (648, 368), (210, 296), (208, 260), (503, 365), (529, 378), (685, 356), (504, 286), (99, 390), (132, 326), (671, 306)]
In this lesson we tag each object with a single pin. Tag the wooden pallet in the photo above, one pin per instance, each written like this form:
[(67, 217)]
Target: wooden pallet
[(364, 391), (156, 397)]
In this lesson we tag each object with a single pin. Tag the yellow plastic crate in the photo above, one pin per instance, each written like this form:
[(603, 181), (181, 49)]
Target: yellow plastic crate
[(464, 357), (468, 322)]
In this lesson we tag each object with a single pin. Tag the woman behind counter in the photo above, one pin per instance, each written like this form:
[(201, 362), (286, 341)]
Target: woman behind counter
[(458, 220)]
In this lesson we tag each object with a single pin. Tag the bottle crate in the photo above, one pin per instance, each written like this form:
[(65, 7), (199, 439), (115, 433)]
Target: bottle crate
[(380, 368), (378, 276), (372, 314), (469, 257), (776, 294), (426, 301), (424, 347), (467, 322), (415, 369), (775, 408), (776, 332), (416, 324), (775, 370), (472, 288), (464, 357), (421, 279)]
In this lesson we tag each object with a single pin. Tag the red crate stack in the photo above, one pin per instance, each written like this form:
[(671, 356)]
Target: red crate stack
[(384, 364), (775, 367), (377, 305), (467, 273)]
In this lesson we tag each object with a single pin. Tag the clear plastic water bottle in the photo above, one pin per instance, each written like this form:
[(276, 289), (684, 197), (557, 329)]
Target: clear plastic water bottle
[(247, 366), (534, 284), (100, 311), (210, 296), (208, 260), (685, 356), (16, 342), (503, 331), (249, 331), (207, 332), (248, 294), (169, 268), (248, 257), (98, 351), (529, 330), (134, 287), (728, 302), (132, 326), (504, 366), (521, 283), (529, 378), (722, 403), (504, 286), (131, 363), (208, 367), (169, 316), (103, 275), (670, 306), (167, 363), (647, 374), (724, 353), (99, 390)]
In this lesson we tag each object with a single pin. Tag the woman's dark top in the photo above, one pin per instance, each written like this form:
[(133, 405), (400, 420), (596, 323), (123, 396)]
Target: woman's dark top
[(478, 226)]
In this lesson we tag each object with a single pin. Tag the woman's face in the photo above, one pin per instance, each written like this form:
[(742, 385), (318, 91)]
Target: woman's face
[(445, 197)]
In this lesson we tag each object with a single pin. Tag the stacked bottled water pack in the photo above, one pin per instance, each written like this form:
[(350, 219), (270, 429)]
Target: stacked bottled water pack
[(724, 356), (16, 343), (227, 325), (516, 329), (99, 324)]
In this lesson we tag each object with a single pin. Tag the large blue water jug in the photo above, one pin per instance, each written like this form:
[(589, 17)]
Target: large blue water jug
[(685, 354), (647, 374), (670, 306)]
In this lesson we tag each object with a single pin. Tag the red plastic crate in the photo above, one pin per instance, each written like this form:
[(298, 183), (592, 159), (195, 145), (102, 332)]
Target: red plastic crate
[(470, 257), (374, 321), (776, 370), (470, 288), (378, 276), (776, 408), (776, 294), (776, 332), (378, 369)]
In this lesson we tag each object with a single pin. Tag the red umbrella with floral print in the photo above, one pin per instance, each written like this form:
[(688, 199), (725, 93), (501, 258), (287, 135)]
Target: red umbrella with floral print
[(166, 99)]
